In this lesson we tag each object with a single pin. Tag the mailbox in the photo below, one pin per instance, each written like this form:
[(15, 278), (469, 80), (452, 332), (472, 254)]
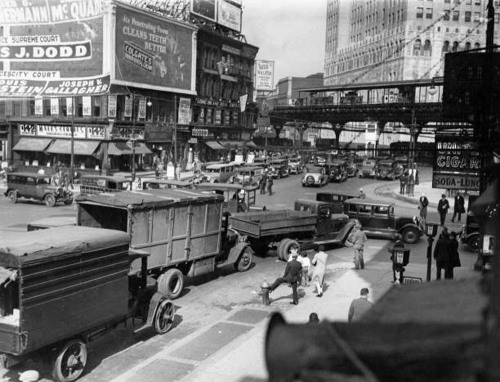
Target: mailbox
[(401, 256)]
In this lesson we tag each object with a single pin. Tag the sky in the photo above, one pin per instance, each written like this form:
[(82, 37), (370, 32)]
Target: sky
[(289, 32)]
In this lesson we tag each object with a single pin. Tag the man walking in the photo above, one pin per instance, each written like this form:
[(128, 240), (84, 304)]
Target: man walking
[(423, 202), (262, 183), (270, 184), (359, 306), (442, 255), (398, 245), (442, 208), (318, 277), (403, 179), (459, 207), (292, 275), (357, 240)]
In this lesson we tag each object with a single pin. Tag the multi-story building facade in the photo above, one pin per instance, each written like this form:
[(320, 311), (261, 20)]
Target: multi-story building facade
[(391, 40)]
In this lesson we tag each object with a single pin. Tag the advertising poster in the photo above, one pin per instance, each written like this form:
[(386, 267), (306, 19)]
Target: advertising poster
[(112, 106), (128, 107), (205, 8), (69, 106), (152, 52), (264, 75), (218, 117), (229, 15), (142, 108), (51, 47), (38, 106), (184, 114), (54, 106), (87, 106)]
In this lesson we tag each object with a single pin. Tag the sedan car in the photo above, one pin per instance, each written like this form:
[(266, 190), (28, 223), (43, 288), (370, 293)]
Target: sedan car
[(367, 169), (315, 176), (388, 169)]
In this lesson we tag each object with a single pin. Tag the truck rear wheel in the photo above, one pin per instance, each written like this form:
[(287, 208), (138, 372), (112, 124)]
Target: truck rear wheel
[(284, 248), (171, 283), (70, 361), (245, 261)]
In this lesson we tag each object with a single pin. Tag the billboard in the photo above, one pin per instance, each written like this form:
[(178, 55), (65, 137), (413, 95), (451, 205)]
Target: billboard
[(153, 52), (457, 163), (205, 8), (264, 75), (229, 15), (52, 48)]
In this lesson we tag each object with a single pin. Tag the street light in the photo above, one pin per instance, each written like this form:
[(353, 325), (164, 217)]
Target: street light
[(133, 142), (431, 232)]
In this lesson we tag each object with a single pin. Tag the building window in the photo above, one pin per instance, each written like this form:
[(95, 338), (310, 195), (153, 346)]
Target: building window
[(454, 48), (427, 48), (477, 2), (467, 45), (497, 17), (446, 47), (477, 16), (420, 13), (477, 45), (416, 47), (428, 13), (468, 17), (446, 16), (456, 15)]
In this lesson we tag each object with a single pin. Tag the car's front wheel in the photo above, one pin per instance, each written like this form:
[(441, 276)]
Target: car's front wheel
[(410, 235), (50, 200), (12, 195)]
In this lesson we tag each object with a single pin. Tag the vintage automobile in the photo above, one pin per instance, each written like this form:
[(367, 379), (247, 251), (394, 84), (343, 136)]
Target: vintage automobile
[(219, 173), (315, 176), (388, 169), (38, 187), (378, 220), (230, 193), (248, 175), (402, 160), (295, 166), (352, 166), (470, 233), (336, 199), (278, 168), (367, 168), (96, 184), (62, 287), (154, 184), (336, 170)]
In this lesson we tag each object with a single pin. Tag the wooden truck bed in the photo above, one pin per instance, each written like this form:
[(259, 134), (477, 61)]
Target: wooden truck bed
[(272, 223)]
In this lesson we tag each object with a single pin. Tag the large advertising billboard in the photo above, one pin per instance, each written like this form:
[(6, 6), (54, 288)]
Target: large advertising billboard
[(205, 8), (264, 75), (153, 52), (52, 48), (229, 15), (457, 163)]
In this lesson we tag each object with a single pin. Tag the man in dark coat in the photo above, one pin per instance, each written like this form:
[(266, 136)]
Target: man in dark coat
[(442, 255), (293, 272), (398, 245), (403, 180), (454, 255), (459, 207), (443, 207)]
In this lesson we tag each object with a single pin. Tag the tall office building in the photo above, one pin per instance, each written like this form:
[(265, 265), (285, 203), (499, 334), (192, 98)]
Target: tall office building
[(394, 40)]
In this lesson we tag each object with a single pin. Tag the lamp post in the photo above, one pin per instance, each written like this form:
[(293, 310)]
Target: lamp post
[(133, 141), (431, 232)]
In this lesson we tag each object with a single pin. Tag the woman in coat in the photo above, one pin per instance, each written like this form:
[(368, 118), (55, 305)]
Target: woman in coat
[(319, 262)]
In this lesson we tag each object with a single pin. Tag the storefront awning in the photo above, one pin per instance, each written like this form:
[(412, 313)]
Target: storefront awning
[(63, 146), (251, 144), (232, 144), (32, 144), (214, 145), (125, 148)]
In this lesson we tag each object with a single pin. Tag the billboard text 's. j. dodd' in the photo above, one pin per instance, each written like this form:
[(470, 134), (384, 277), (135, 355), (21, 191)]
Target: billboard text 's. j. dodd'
[(51, 47), (152, 51)]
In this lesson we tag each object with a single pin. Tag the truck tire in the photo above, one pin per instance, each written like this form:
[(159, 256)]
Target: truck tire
[(410, 235), (50, 200), (171, 283), (284, 248), (70, 361), (12, 195), (164, 317), (245, 261)]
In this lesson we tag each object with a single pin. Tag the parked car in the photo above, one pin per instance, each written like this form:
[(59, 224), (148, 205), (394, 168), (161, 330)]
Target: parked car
[(279, 168), (352, 167), (96, 184), (378, 220), (336, 199), (470, 233), (402, 160), (388, 169), (337, 171), (219, 173), (367, 169), (295, 166), (37, 187), (315, 176)]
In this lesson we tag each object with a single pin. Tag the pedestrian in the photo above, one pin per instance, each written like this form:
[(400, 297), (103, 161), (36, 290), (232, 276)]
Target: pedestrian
[(292, 274), (241, 206), (423, 202), (359, 306), (270, 184), (403, 179), (306, 264), (262, 183), (318, 277), (357, 240), (442, 255), (442, 208), (362, 194), (313, 318), (455, 256), (398, 245), (458, 207)]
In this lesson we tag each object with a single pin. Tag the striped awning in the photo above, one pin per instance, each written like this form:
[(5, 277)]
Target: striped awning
[(63, 146), (214, 145), (32, 144), (125, 148)]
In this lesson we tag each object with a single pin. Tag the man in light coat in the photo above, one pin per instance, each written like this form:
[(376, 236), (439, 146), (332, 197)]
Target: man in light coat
[(318, 277)]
